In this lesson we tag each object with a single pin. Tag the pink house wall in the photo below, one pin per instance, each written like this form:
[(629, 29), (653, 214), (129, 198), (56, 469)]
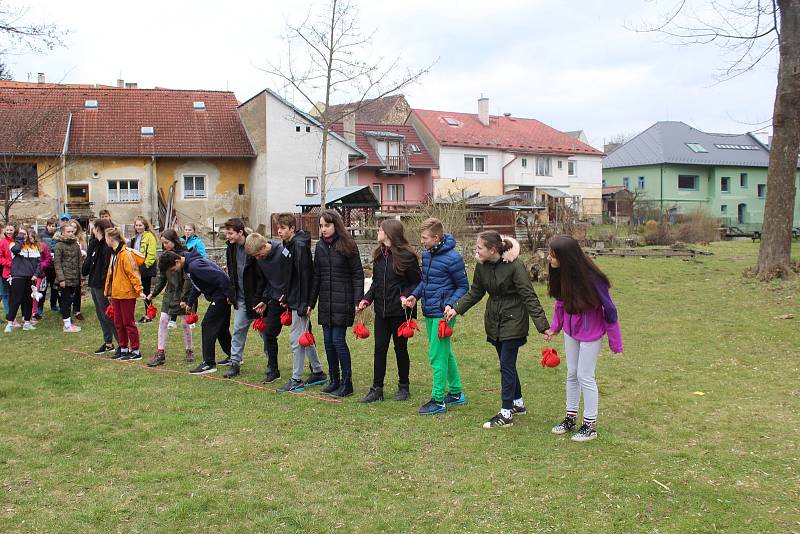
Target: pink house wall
[(417, 186)]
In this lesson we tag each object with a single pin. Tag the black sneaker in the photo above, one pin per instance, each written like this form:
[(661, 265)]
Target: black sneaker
[(375, 394), (291, 386), (432, 407), (332, 386), (204, 369), (271, 376), (131, 356), (226, 361), (102, 349), (316, 379), (498, 421), (159, 358), (232, 371), (518, 410), (145, 319), (455, 400), (118, 354), (564, 426), (586, 432)]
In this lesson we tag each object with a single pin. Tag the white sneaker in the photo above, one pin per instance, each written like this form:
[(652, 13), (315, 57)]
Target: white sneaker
[(172, 324), (28, 327), (586, 432), (9, 328), (71, 329)]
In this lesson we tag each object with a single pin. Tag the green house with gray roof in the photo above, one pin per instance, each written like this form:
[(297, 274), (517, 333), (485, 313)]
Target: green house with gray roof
[(679, 169)]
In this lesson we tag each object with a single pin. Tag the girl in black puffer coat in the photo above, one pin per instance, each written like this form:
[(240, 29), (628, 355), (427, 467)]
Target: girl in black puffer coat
[(339, 287), (395, 275)]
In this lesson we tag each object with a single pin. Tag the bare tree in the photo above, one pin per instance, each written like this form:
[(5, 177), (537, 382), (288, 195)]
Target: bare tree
[(5, 73), (17, 32), (327, 53), (751, 30)]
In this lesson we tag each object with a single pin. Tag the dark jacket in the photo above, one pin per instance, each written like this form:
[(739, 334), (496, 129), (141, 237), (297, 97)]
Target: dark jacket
[(251, 280), (511, 300), (298, 272), (25, 260), (95, 265), (67, 260), (207, 278), (338, 285), (176, 288), (387, 286), (444, 278), (271, 284)]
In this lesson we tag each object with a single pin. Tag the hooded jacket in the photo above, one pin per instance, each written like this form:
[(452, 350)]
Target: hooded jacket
[(95, 265), (26, 260), (593, 324), (207, 279), (298, 272), (251, 276), (388, 286), (511, 297), (123, 280), (148, 246), (5, 255), (338, 284), (444, 278), (271, 283), (47, 256), (195, 243), (67, 260), (176, 287)]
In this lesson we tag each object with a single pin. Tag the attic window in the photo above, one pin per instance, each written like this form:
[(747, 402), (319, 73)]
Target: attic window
[(148, 130), (451, 121), (90, 104), (414, 148), (199, 105), (737, 147), (697, 148)]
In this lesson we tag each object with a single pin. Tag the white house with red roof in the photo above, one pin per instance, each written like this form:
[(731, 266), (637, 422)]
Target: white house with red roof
[(83, 148), (495, 155), (397, 167)]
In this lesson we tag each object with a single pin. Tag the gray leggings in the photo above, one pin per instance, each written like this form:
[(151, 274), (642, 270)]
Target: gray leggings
[(581, 361), (106, 324), (300, 325)]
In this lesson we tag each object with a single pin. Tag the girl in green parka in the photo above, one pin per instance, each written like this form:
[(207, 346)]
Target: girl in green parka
[(511, 300), (176, 287)]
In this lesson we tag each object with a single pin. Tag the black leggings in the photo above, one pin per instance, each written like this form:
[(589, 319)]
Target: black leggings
[(20, 297), (147, 282), (385, 330), (70, 298)]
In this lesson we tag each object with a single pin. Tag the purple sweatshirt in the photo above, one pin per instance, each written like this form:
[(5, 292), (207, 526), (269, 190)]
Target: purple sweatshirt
[(593, 324)]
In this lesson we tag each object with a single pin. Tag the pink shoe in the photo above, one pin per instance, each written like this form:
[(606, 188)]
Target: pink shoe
[(72, 328)]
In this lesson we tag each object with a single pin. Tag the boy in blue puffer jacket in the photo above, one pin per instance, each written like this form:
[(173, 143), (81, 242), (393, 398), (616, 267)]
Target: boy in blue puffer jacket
[(444, 281)]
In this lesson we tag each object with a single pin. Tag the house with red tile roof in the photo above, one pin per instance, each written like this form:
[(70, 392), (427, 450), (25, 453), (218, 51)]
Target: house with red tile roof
[(497, 155), (397, 167), (116, 148)]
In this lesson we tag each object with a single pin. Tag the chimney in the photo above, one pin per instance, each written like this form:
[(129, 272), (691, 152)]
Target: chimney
[(349, 127), (120, 83), (40, 78), (483, 110)]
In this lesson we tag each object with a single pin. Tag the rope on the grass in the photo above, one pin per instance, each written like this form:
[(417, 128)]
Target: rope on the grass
[(207, 377)]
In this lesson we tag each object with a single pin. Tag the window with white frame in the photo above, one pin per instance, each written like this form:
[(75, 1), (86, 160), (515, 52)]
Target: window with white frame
[(543, 166), (376, 190), (123, 191), (311, 185), (194, 186), (572, 168), (475, 163), (396, 192)]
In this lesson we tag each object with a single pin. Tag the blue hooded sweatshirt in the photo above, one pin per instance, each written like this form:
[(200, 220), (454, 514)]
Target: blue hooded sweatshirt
[(444, 278)]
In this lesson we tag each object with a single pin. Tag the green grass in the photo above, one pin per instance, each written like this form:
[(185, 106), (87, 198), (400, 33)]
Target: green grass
[(100, 446)]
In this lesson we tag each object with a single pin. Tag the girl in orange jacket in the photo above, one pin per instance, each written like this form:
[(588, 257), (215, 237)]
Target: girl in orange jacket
[(123, 287)]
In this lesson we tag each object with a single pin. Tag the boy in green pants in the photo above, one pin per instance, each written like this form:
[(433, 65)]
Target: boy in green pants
[(444, 281)]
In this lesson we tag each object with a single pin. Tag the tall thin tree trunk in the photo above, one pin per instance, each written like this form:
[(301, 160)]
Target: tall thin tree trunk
[(774, 255), (323, 173)]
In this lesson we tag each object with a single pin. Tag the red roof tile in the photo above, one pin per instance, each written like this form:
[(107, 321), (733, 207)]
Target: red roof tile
[(504, 133), (416, 160), (114, 127), (374, 111), (39, 132)]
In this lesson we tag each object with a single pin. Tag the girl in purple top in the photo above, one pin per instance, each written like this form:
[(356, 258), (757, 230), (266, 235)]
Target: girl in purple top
[(585, 312)]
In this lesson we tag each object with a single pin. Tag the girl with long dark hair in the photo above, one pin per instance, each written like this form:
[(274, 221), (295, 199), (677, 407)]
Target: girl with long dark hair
[(585, 311), (338, 287), (395, 274)]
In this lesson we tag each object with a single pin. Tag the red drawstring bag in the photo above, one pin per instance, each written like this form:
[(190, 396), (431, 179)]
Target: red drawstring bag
[(110, 312), (307, 338), (550, 357), (259, 325), (444, 329), (191, 318), (286, 318), (361, 331), (151, 312), (407, 328)]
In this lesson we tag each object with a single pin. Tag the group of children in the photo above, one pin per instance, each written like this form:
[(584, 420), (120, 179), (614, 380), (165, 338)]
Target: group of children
[(276, 283)]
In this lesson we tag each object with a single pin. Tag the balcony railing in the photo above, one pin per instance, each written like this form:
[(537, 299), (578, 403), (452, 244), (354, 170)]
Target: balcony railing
[(396, 164), (78, 208)]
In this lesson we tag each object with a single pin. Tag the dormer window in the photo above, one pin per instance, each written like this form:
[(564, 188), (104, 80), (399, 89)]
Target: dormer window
[(90, 104), (451, 121), (148, 130), (199, 105)]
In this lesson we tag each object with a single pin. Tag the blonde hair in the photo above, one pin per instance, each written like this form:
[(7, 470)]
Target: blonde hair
[(115, 233), (254, 243), (432, 225)]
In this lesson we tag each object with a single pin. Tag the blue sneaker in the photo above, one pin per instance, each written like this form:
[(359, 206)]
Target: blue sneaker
[(291, 386), (432, 407), (455, 400), (316, 379)]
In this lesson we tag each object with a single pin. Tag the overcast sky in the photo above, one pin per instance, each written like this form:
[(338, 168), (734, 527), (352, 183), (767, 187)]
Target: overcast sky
[(572, 65)]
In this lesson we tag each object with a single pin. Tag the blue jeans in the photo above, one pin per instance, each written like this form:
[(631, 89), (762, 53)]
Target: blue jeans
[(5, 289), (337, 351), (507, 351)]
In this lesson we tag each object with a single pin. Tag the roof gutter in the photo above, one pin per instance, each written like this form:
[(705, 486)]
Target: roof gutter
[(503, 175), (63, 174)]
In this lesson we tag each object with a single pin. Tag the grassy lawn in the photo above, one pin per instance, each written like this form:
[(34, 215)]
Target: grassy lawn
[(698, 429)]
